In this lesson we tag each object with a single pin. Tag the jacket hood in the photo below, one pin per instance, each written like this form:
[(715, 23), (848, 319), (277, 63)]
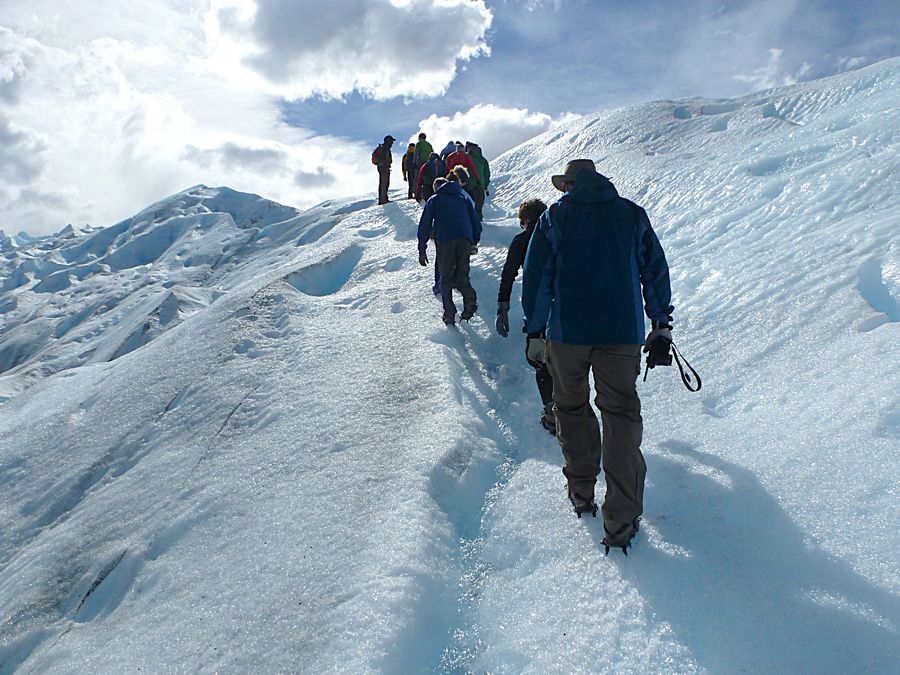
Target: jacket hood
[(591, 187), (450, 188)]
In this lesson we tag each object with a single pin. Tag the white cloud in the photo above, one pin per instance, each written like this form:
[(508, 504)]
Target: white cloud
[(852, 62), (318, 178), (300, 48), (494, 128), (772, 74), (532, 5), (105, 109), (731, 49), (21, 152)]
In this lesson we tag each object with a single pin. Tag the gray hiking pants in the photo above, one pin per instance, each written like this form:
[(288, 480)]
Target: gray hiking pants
[(384, 182), (615, 369), (478, 197), (453, 267)]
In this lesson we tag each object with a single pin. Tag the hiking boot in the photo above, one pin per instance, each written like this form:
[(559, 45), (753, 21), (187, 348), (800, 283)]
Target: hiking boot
[(622, 537), (581, 505), (449, 319), (468, 312), (548, 418)]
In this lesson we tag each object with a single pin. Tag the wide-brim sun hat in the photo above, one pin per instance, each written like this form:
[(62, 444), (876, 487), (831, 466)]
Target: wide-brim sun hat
[(572, 168)]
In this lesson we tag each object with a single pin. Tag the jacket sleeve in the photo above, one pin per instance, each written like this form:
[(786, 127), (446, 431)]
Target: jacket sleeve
[(486, 178), (537, 277), (654, 272), (426, 222), (514, 259), (403, 165)]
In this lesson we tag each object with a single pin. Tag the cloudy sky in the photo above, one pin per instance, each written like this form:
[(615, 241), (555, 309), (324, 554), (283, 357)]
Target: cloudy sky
[(107, 106)]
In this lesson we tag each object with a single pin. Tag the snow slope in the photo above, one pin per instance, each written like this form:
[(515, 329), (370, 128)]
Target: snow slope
[(237, 437)]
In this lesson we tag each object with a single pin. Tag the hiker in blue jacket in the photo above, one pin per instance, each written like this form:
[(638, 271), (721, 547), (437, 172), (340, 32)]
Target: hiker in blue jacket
[(450, 212), (592, 258)]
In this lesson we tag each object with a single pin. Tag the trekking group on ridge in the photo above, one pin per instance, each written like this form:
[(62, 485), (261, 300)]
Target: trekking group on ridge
[(421, 166), (592, 268), (452, 185)]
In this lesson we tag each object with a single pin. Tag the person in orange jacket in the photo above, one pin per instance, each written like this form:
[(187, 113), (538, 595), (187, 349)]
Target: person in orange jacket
[(410, 170)]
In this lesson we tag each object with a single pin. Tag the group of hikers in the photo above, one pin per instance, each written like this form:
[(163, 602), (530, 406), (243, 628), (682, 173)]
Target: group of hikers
[(421, 166), (592, 268)]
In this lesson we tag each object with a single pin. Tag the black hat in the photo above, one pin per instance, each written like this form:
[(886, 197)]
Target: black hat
[(389, 139)]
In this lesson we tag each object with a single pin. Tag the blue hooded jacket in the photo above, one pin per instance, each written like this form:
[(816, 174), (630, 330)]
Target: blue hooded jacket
[(591, 256), (451, 212)]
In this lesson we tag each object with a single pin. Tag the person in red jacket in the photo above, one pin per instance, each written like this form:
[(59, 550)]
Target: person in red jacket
[(461, 158), (431, 170)]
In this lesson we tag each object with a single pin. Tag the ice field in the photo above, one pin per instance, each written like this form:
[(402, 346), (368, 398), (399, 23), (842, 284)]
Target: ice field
[(236, 437)]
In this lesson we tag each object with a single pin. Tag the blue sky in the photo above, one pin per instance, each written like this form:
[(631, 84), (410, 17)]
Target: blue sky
[(581, 56), (108, 106)]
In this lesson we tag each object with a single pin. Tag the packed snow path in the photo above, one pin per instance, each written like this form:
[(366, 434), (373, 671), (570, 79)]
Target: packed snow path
[(238, 438)]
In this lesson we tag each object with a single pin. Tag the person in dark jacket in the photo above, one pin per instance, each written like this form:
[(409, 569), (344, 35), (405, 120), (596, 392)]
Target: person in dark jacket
[(448, 149), (383, 161), (430, 171), (529, 212), (450, 212), (436, 287), (592, 258), (410, 170)]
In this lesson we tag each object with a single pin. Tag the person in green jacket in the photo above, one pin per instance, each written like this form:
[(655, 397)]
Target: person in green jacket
[(423, 150), (480, 187)]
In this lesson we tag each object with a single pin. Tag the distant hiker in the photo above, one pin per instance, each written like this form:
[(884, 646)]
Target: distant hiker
[(459, 158), (381, 157), (483, 176), (432, 169), (592, 256), (410, 170), (449, 148), (529, 212), (423, 150), (450, 212)]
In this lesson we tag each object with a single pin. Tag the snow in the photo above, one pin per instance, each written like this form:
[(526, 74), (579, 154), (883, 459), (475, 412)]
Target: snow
[(236, 437)]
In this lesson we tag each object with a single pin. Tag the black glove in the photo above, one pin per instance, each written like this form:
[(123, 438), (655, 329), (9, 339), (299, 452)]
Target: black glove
[(487, 194), (473, 249), (658, 345), (423, 260), (502, 319)]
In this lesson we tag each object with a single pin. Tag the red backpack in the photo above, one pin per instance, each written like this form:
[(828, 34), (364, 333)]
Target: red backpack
[(376, 155)]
